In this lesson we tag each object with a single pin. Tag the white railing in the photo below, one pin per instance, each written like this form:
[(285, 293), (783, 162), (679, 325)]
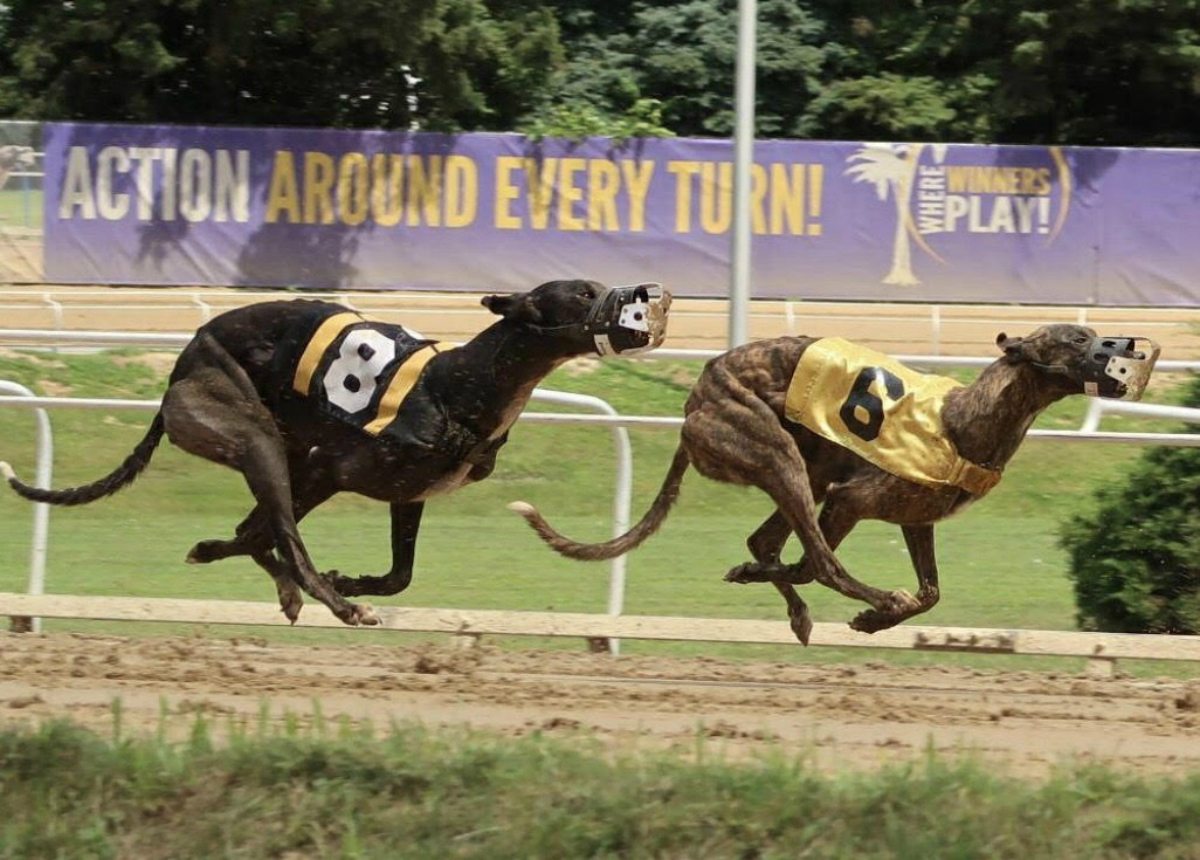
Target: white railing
[(42, 480), (788, 313), (177, 340)]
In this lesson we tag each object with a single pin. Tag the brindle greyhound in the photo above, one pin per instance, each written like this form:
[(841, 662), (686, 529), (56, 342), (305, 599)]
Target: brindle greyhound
[(735, 430), (307, 399)]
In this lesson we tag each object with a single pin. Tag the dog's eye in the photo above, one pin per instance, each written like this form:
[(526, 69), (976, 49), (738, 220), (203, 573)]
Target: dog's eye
[(1081, 340)]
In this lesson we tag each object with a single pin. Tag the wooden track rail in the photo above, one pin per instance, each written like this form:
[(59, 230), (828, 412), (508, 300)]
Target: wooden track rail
[(478, 622)]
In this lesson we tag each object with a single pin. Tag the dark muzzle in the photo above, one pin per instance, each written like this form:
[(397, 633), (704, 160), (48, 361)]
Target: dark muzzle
[(1115, 368)]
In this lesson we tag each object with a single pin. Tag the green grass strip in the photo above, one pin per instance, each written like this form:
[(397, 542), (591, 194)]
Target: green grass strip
[(346, 792)]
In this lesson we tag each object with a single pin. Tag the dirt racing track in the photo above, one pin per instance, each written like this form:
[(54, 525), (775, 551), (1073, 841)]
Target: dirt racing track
[(841, 716)]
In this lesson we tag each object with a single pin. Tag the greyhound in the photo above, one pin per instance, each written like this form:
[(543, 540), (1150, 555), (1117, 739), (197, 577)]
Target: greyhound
[(14, 158), (307, 399), (811, 421)]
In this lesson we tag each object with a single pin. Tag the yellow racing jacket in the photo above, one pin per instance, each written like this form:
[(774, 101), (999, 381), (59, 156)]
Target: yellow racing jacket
[(888, 414)]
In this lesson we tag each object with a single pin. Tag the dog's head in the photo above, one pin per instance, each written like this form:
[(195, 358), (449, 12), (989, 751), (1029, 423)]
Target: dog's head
[(587, 316), (1113, 367), (14, 158)]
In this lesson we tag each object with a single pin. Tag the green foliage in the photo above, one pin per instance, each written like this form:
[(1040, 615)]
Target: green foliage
[(1135, 560), (349, 63), (417, 793), (1115, 72), (1108, 72), (887, 107), (579, 120)]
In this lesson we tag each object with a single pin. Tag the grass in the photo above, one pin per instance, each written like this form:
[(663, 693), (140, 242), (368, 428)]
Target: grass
[(20, 208), (345, 791), (1000, 561)]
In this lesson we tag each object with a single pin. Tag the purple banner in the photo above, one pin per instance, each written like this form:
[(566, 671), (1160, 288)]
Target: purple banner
[(330, 209)]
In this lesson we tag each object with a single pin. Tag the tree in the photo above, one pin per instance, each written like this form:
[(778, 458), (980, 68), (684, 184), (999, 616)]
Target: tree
[(445, 65), (1099, 72), (1135, 560), (683, 54)]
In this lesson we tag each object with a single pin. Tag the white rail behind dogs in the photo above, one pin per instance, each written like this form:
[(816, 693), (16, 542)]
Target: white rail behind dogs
[(41, 510), (177, 340)]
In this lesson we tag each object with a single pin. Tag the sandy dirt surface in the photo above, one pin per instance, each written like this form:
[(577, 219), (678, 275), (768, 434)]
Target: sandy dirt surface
[(842, 716)]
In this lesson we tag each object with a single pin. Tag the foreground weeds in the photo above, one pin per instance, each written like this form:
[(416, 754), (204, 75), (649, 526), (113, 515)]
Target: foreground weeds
[(66, 792)]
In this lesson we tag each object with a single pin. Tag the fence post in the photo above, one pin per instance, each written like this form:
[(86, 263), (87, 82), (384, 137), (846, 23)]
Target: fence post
[(41, 510)]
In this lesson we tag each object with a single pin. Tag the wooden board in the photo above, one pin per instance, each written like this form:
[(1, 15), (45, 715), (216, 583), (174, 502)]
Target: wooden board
[(579, 625)]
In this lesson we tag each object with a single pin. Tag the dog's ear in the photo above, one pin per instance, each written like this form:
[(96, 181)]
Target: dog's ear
[(518, 307), (1010, 345)]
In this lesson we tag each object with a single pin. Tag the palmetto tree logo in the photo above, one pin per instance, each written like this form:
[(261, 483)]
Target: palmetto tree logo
[(892, 168)]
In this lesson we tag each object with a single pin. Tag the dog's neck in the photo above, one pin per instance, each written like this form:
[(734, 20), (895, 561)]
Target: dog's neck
[(492, 376), (514, 354), (988, 419)]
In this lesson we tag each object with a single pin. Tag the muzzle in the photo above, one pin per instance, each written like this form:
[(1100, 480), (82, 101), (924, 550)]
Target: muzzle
[(629, 320), (1117, 369)]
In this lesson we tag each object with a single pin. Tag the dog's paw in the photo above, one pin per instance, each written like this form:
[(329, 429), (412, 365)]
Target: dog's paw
[(202, 553), (902, 602), (802, 626), (365, 615), (290, 601), (872, 621), (752, 571)]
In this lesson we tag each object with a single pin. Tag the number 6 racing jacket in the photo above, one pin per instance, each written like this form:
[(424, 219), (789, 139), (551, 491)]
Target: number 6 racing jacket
[(888, 414)]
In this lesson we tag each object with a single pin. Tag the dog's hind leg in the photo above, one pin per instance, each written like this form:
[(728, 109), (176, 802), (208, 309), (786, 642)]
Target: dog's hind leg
[(766, 543), (253, 534), (738, 439), (406, 521), (255, 539), (214, 413), (265, 470)]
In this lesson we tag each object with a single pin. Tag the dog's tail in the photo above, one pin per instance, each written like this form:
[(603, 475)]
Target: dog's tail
[(648, 525), (106, 486)]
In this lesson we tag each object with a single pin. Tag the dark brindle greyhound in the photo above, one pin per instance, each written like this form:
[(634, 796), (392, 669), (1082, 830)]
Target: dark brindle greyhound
[(777, 415), (307, 399)]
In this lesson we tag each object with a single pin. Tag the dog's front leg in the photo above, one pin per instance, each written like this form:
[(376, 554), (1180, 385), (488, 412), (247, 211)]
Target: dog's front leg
[(919, 540), (406, 521)]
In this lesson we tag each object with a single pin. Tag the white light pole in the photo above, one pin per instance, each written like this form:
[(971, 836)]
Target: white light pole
[(743, 160)]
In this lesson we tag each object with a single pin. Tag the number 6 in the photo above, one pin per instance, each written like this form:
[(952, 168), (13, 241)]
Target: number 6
[(872, 404)]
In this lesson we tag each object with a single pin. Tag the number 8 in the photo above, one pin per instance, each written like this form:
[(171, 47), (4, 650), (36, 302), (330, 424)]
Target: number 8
[(350, 381), (861, 396)]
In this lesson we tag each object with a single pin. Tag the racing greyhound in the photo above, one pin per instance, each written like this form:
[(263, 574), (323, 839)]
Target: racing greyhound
[(307, 399), (810, 420)]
